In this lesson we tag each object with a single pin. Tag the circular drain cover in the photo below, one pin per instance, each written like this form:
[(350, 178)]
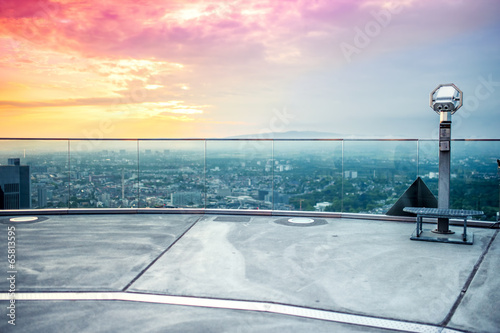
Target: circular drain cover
[(301, 220), (24, 219)]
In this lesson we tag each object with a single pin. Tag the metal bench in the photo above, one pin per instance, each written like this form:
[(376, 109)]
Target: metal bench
[(441, 213)]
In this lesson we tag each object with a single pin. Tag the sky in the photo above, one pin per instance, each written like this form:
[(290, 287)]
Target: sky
[(214, 69)]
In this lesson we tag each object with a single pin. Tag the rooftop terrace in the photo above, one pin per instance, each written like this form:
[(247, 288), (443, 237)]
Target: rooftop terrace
[(201, 271)]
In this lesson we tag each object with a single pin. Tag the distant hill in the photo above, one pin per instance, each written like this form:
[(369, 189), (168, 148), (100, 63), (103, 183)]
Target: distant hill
[(291, 135), (312, 135)]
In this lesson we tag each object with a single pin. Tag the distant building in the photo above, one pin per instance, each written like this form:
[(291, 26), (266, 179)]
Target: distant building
[(350, 174), (15, 185), (433, 175), (285, 167), (262, 194), (224, 192), (185, 198), (105, 199), (42, 197), (321, 206), (277, 198)]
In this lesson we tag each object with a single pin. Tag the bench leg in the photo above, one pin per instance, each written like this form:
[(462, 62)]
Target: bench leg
[(419, 225), (465, 229)]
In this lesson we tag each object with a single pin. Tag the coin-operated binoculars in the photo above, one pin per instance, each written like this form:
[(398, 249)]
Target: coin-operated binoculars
[(445, 100)]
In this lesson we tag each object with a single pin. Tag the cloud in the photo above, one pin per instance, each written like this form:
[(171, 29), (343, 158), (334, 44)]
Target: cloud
[(234, 33), (226, 60), (14, 9), (173, 31), (58, 103)]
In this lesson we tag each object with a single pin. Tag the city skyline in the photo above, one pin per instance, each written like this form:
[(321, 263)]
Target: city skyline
[(178, 69), (352, 176)]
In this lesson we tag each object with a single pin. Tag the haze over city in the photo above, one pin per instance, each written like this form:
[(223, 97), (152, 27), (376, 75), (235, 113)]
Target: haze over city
[(165, 69)]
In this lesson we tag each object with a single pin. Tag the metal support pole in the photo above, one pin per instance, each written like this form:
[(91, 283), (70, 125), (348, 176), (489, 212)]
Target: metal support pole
[(444, 170)]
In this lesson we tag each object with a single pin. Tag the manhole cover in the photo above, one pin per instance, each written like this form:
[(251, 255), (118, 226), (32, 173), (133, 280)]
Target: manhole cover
[(301, 220), (24, 219)]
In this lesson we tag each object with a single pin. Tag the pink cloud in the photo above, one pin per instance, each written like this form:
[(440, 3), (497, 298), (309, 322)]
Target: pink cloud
[(149, 28), (14, 9), (230, 38), (230, 34), (188, 31)]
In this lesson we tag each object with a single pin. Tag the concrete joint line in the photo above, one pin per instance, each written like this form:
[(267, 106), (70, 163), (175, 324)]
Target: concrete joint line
[(161, 254), (468, 282)]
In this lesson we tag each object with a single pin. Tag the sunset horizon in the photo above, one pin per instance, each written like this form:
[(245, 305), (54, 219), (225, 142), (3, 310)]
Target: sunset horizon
[(178, 69)]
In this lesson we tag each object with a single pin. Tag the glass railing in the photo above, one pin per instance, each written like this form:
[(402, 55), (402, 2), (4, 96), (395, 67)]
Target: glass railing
[(336, 175)]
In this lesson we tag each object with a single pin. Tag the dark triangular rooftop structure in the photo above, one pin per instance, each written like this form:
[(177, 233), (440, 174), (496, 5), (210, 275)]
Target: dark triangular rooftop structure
[(417, 195)]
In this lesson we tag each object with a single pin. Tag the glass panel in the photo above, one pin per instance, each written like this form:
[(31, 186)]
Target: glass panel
[(104, 174), (239, 174), (428, 164), (475, 176), (308, 175), (377, 173), (172, 173), (42, 175), (292, 175)]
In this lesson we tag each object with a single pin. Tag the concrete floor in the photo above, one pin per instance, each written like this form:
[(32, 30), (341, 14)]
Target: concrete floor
[(214, 273)]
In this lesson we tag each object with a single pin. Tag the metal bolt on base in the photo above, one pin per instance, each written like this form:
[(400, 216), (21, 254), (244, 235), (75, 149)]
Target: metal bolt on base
[(442, 226)]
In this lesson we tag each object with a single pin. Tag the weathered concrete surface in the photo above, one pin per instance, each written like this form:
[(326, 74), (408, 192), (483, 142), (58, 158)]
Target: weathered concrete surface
[(479, 310), (88, 252), (364, 267), (355, 266)]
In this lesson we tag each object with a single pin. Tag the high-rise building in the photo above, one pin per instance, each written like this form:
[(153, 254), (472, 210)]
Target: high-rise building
[(42, 197), (15, 185)]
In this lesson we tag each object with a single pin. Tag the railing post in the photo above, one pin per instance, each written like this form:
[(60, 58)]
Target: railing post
[(342, 180), (138, 176), (205, 173), (69, 174), (272, 174)]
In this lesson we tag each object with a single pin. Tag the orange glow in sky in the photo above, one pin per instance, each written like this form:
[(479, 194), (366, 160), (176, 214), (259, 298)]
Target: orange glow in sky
[(163, 69)]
